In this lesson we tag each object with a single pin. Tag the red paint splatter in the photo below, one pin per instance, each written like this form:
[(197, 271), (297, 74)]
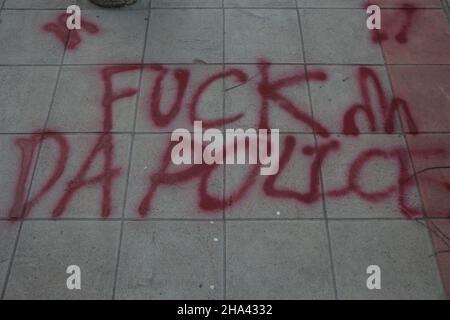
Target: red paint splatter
[(396, 24), (71, 39)]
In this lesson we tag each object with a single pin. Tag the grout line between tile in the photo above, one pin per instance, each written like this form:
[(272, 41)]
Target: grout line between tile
[(130, 155), (330, 251)]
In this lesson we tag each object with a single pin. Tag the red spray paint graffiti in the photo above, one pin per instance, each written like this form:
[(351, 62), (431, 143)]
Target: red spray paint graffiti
[(267, 90), (104, 146), (28, 148), (270, 95), (396, 25), (71, 39), (388, 111)]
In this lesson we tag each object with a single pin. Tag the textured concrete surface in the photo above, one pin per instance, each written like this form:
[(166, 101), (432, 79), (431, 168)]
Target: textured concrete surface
[(278, 259), (197, 34), (247, 33), (21, 41), (47, 248), (375, 181), (407, 276), (328, 40), (243, 100), (22, 87), (85, 171), (37, 4), (171, 260), (76, 79)]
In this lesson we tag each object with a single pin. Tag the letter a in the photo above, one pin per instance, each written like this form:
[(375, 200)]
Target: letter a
[(181, 152), (374, 21), (374, 281), (74, 281), (74, 20)]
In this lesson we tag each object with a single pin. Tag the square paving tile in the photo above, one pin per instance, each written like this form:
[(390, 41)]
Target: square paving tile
[(78, 104), (88, 201), (185, 36), (171, 260), (345, 87), (24, 42), (427, 91), (328, 40), (278, 260), (25, 97), (178, 196), (47, 248), (402, 250), (120, 39), (184, 82), (245, 99), (249, 31), (295, 192), (361, 178)]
